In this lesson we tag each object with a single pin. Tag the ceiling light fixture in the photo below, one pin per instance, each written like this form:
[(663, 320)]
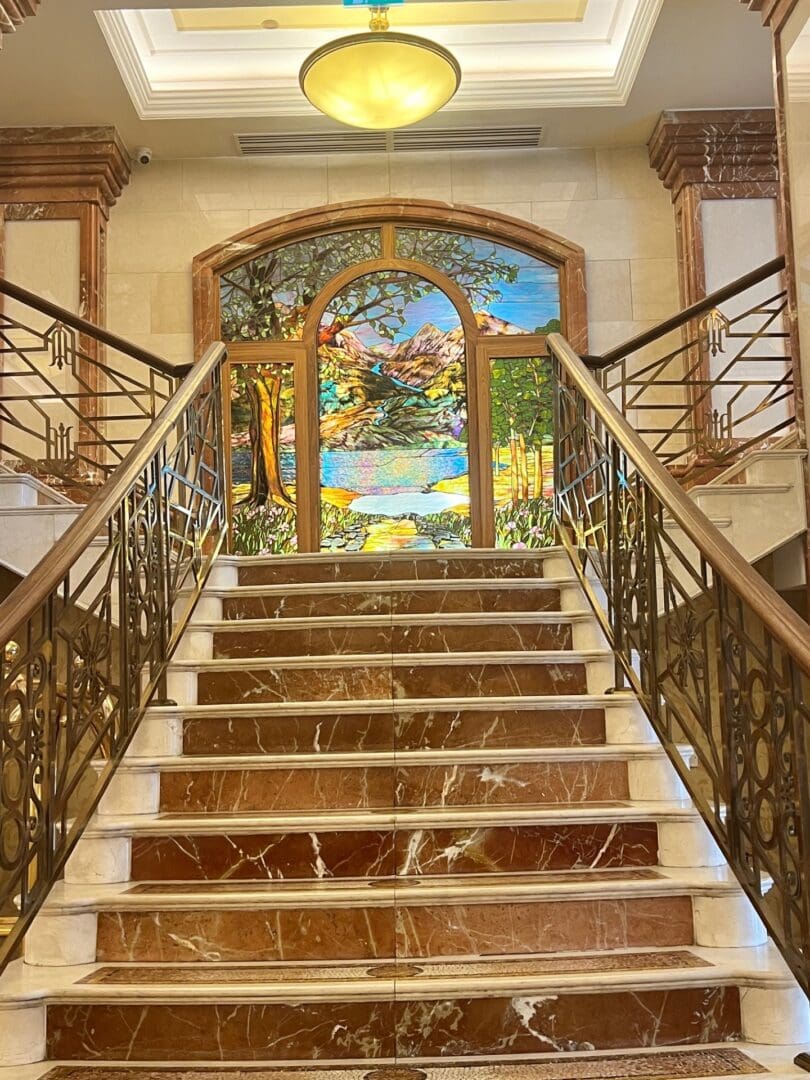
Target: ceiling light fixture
[(380, 80)]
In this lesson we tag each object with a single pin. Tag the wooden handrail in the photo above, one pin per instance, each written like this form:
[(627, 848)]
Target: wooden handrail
[(702, 307), (47, 575), (781, 621), (60, 314)]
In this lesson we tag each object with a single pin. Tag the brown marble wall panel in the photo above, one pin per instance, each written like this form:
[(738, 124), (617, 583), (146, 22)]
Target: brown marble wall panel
[(520, 637), (508, 598), (247, 790), (228, 1032), (525, 847), (360, 568), (567, 1022), (227, 686), (312, 641), (259, 857), (511, 784), (518, 927), (498, 728), (227, 935), (486, 680), (320, 733)]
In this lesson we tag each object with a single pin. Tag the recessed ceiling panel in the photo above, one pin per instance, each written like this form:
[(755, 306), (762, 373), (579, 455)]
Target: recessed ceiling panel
[(319, 16), (514, 54)]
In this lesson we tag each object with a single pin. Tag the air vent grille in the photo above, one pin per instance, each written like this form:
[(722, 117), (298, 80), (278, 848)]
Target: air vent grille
[(268, 144)]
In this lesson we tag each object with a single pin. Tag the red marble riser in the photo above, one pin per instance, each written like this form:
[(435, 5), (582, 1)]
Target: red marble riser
[(385, 1029), (358, 787), (380, 682), (385, 852), (359, 568), (413, 602), (368, 933), (386, 639), (440, 729)]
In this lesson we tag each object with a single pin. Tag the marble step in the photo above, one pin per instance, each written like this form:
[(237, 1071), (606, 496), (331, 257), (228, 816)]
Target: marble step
[(395, 676), (410, 1009), (462, 631), (385, 843), (326, 567), (344, 726), (390, 779), (396, 597), (695, 1063)]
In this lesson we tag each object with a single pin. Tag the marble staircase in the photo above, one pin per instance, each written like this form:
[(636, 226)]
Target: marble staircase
[(396, 826)]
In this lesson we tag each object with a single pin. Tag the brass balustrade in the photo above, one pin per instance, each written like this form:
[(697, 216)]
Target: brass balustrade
[(708, 384), (721, 664), (74, 399), (86, 639)]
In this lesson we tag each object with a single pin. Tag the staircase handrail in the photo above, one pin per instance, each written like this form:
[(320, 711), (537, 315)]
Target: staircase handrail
[(86, 637), (98, 333), (719, 661), (709, 303)]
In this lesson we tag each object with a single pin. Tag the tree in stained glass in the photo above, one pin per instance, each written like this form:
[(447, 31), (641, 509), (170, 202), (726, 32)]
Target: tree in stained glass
[(521, 404), (393, 418), (509, 291), (268, 298), (263, 459)]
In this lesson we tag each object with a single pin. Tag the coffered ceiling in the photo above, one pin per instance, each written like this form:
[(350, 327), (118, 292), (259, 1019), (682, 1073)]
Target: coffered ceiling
[(185, 76)]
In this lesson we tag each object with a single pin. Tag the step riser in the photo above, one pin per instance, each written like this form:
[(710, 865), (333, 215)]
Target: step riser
[(386, 639), (383, 853), (412, 602), (363, 569), (369, 933), (381, 682), (449, 730), (388, 1029), (508, 784)]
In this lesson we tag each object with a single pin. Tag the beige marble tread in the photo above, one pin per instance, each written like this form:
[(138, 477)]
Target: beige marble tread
[(321, 588), (438, 618), (386, 660)]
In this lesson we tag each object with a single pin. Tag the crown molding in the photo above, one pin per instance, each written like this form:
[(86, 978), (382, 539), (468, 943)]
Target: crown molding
[(67, 164), (192, 98), (715, 146)]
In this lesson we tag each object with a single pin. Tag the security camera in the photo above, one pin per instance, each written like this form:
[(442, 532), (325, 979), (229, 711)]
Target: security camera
[(144, 155)]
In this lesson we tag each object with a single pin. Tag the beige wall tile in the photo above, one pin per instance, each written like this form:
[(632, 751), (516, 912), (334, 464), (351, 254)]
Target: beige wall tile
[(129, 301), (357, 176), (421, 176), (612, 228), (165, 243), (158, 186), (524, 175), (655, 288), (522, 210), (289, 183), (609, 297), (171, 302), (625, 173)]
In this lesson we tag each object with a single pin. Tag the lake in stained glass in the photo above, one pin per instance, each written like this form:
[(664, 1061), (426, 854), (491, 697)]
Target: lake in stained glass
[(509, 291), (268, 298), (393, 418)]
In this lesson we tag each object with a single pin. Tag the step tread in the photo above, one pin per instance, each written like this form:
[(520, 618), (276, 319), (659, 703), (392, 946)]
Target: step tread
[(407, 659)]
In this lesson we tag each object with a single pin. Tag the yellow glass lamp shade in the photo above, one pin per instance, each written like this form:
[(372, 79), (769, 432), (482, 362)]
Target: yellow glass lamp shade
[(380, 80)]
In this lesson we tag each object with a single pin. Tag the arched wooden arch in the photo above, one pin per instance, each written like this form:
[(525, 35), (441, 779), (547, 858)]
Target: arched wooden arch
[(386, 215)]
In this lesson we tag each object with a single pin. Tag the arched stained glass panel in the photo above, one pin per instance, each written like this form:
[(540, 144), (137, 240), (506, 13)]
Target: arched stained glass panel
[(509, 291), (268, 298), (393, 418)]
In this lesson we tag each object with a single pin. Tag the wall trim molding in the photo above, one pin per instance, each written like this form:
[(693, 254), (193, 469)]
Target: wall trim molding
[(774, 13)]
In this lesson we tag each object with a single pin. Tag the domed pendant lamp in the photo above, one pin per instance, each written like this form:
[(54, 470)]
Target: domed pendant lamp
[(380, 80)]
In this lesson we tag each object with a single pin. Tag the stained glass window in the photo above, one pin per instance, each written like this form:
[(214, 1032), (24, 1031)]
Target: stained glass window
[(268, 298), (393, 418), (509, 291), (263, 459), (521, 404)]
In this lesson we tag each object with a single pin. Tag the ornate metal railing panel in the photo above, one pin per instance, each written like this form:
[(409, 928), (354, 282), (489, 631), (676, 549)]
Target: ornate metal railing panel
[(709, 384), (85, 644), (721, 664), (74, 399)]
